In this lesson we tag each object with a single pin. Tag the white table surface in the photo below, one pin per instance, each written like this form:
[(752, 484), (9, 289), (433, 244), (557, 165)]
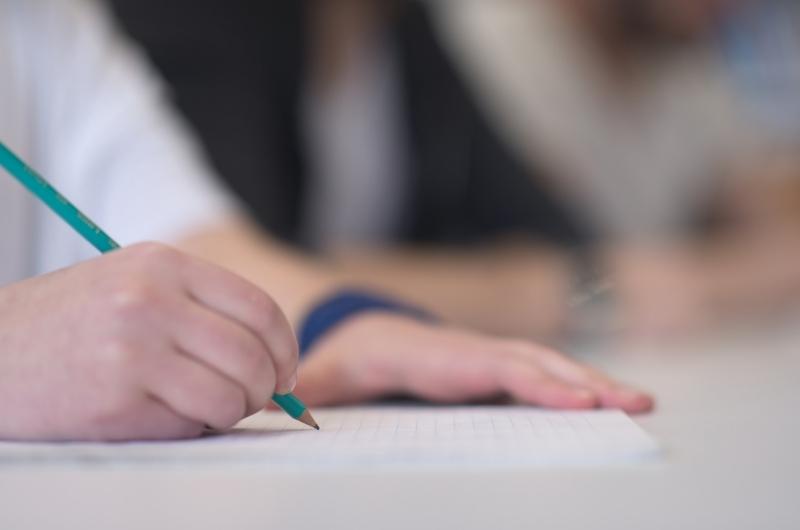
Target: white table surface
[(727, 415)]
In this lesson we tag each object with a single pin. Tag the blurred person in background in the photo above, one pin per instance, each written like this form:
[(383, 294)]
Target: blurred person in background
[(486, 158), (152, 342), (761, 44)]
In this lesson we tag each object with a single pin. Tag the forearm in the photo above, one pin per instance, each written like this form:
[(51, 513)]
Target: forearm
[(520, 291)]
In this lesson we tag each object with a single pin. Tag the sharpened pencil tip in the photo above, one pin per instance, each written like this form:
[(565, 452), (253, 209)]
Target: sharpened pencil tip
[(308, 419)]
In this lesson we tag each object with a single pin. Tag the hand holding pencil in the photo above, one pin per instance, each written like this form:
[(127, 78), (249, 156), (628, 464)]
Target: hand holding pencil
[(176, 343), (142, 343)]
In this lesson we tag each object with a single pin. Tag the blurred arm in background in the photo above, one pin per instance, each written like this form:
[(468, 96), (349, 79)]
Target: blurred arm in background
[(257, 67), (628, 116), (408, 143), (622, 118)]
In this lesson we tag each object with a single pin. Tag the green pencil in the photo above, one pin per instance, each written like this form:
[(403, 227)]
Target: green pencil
[(43, 190)]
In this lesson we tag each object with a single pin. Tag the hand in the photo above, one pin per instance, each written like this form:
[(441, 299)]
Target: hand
[(378, 354), (145, 342)]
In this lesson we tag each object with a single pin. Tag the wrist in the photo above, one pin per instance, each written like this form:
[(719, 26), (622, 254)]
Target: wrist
[(345, 305)]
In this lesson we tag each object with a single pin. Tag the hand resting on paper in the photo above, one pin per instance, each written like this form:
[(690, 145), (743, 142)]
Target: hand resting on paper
[(378, 355)]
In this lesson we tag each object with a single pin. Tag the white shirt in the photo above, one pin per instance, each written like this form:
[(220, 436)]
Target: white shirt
[(80, 105)]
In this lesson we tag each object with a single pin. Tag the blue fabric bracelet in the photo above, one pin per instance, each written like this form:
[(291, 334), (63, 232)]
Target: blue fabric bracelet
[(335, 309)]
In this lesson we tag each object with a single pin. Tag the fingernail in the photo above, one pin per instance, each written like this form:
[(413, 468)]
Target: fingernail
[(292, 382)]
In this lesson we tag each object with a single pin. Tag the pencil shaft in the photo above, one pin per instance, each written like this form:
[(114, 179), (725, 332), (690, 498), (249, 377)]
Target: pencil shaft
[(290, 404), (42, 189)]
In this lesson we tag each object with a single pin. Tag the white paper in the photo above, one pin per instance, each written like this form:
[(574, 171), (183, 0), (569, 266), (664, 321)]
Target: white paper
[(393, 437)]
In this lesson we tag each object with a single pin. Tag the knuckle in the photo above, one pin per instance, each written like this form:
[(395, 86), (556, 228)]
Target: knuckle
[(148, 248), (158, 254), (133, 300), (119, 356)]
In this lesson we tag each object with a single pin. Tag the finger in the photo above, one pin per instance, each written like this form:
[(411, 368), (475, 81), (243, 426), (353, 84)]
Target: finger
[(153, 420), (238, 299), (196, 392), (228, 348), (611, 394), (529, 384)]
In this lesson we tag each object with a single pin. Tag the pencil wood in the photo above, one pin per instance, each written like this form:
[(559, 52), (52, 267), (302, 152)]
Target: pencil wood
[(308, 419)]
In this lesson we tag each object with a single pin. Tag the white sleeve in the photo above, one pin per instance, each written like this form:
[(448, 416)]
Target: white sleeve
[(107, 138)]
